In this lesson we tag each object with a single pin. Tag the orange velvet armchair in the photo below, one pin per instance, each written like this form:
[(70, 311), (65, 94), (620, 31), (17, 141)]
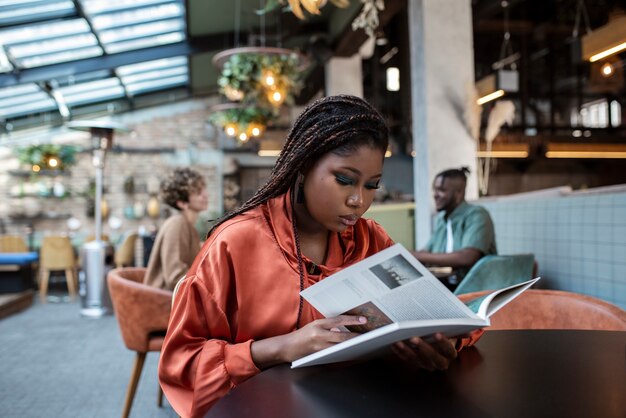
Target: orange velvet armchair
[(142, 312)]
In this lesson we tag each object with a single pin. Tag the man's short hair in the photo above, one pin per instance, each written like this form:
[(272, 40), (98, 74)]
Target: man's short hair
[(455, 173)]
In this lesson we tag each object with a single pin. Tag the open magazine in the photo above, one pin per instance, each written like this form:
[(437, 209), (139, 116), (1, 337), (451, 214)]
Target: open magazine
[(400, 299)]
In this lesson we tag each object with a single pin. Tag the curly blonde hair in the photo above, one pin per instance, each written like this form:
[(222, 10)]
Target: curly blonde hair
[(181, 183)]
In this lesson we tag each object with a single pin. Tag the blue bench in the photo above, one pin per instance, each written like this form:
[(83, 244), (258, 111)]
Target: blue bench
[(16, 271)]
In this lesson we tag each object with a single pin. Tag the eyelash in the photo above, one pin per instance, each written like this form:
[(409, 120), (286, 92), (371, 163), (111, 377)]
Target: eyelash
[(347, 181)]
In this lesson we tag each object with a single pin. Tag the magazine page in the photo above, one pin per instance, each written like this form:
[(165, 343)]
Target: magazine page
[(390, 286)]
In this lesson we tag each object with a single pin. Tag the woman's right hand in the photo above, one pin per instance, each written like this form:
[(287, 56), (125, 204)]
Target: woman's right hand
[(320, 334), (311, 338)]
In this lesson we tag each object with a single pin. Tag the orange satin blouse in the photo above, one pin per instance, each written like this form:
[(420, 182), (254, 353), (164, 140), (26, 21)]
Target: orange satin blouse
[(243, 286)]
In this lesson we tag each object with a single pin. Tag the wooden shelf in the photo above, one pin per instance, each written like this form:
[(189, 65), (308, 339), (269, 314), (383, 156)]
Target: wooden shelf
[(43, 173), (40, 217), (67, 196)]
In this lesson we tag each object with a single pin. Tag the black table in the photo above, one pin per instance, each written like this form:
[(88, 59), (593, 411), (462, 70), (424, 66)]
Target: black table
[(509, 374)]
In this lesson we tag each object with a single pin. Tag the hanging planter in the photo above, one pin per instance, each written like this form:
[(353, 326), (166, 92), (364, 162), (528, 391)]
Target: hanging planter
[(241, 122), (47, 157), (259, 80), (264, 76)]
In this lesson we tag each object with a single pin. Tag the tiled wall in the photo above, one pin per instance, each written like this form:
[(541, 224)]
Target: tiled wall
[(579, 239)]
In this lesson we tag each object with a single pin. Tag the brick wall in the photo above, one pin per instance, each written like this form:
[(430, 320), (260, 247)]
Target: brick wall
[(159, 139)]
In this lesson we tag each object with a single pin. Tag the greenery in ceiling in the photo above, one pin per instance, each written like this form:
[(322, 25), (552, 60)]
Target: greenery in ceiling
[(244, 78), (366, 20), (296, 6), (47, 156)]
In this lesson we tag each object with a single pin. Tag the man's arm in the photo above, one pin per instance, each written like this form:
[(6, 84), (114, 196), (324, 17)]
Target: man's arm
[(465, 257)]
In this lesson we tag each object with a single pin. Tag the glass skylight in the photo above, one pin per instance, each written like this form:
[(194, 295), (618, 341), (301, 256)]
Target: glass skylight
[(154, 75), (145, 42), (16, 12), (40, 33), (23, 100), (152, 65), (157, 84), (141, 30), (100, 6), (93, 91), (148, 14)]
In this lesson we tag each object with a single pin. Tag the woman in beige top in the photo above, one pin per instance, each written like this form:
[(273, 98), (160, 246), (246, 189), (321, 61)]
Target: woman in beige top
[(177, 241)]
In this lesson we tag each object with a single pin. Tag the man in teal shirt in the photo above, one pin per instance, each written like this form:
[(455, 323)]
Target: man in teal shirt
[(463, 233)]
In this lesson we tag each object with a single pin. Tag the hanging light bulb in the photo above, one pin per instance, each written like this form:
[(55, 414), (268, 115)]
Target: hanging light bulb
[(276, 97), (607, 69), (243, 137), (256, 129), (230, 129), (36, 168), (53, 162), (268, 79)]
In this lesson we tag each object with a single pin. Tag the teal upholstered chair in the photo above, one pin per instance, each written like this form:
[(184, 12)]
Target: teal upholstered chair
[(496, 272)]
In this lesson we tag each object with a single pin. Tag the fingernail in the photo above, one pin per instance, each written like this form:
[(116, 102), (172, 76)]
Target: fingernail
[(335, 330), (362, 319)]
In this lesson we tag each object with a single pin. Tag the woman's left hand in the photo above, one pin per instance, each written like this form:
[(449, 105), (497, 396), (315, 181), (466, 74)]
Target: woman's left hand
[(432, 353)]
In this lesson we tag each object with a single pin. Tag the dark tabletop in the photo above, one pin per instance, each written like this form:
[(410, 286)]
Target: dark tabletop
[(509, 374)]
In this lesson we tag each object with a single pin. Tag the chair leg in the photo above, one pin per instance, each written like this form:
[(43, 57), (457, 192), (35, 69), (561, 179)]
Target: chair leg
[(132, 385), (71, 282), (159, 395), (43, 284)]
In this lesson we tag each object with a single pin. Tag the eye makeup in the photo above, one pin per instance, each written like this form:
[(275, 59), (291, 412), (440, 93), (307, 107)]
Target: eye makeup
[(344, 180), (348, 181)]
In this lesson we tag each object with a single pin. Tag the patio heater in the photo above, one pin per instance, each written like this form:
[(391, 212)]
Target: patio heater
[(93, 282)]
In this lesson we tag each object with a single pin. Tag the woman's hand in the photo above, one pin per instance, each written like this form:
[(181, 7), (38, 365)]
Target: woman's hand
[(434, 353), (311, 338), (320, 334)]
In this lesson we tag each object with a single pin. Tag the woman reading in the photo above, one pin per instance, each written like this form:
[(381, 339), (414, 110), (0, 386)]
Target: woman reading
[(239, 310)]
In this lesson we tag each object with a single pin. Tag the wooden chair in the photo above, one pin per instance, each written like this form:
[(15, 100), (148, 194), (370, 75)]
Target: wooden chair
[(125, 253), (12, 244), (142, 313), (555, 309), (496, 272), (57, 254)]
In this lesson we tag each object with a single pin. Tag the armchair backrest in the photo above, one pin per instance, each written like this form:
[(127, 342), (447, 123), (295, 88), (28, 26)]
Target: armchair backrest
[(141, 309), (555, 309), (496, 272)]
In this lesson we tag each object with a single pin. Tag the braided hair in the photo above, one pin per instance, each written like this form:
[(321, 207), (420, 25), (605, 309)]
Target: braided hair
[(338, 124)]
